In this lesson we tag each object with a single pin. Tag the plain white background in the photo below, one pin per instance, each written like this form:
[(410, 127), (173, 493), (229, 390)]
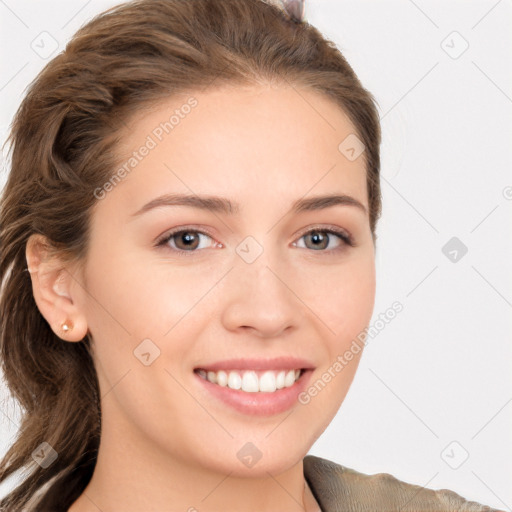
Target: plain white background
[(432, 400)]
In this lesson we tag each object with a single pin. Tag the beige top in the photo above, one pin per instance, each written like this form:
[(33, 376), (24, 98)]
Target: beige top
[(340, 489), (337, 488)]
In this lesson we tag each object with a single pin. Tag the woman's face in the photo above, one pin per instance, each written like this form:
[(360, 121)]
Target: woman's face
[(244, 288)]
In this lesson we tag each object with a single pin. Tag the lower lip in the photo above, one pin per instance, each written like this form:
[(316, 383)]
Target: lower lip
[(259, 403)]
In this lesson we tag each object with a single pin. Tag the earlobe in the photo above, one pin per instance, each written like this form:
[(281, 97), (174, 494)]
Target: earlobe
[(51, 281)]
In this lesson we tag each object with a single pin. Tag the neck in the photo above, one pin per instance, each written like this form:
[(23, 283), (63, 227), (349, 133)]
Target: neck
[(133, 475)]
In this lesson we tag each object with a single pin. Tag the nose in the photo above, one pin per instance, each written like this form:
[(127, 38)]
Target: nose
[(260, 299)]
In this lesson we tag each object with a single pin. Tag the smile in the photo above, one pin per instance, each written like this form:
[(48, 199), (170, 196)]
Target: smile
[(252, 381), (254, 386)]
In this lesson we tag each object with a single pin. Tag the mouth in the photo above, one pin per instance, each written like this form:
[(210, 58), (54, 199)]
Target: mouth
[(255, 387), (252, 381)]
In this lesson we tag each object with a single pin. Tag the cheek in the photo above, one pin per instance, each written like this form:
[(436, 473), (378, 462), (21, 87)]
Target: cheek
[(132, 299), (346, 307), (342, 297), (138, 297), (346, 310)]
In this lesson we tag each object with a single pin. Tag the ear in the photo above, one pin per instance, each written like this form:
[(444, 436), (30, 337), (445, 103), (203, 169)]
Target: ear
[(51, 286)]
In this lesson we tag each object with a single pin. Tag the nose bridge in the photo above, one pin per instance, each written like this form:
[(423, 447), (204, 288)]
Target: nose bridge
[(260, 263), (259, 294)]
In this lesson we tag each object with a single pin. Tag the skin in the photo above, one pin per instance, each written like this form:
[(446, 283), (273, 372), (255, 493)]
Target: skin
[(166, 443)]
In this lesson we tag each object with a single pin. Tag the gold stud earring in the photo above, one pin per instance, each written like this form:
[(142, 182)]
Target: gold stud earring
[(66, 327)]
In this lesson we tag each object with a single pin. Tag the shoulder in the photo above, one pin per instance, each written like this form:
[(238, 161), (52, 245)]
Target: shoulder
[(334, 485)]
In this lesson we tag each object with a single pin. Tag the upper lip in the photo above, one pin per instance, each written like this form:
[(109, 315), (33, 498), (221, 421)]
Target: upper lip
[(278, 363)]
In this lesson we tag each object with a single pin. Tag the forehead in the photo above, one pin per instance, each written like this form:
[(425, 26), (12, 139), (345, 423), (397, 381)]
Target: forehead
[(250, 140)]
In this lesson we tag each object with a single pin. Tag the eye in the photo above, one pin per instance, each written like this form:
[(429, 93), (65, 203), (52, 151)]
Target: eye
[(189, 240), (320, 239), (185, 240)]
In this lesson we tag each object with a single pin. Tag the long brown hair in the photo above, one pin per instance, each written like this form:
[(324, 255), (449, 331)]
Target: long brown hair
[(62, 146)]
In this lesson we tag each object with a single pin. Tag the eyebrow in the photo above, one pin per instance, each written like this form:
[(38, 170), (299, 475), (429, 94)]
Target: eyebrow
[(224, 206)]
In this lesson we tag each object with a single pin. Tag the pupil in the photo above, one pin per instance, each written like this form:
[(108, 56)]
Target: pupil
[(188, 237), (317, 238)]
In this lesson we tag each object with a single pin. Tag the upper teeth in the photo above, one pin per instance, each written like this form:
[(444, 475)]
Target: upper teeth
[(250, 381)]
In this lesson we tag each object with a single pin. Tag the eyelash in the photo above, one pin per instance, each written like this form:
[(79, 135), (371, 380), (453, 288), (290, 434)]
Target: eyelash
[(345, 238)]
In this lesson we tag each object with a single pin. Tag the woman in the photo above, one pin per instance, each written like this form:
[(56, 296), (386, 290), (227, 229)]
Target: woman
[(187, 246)]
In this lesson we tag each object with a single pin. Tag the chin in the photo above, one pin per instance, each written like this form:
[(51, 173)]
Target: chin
[(255, 457)]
